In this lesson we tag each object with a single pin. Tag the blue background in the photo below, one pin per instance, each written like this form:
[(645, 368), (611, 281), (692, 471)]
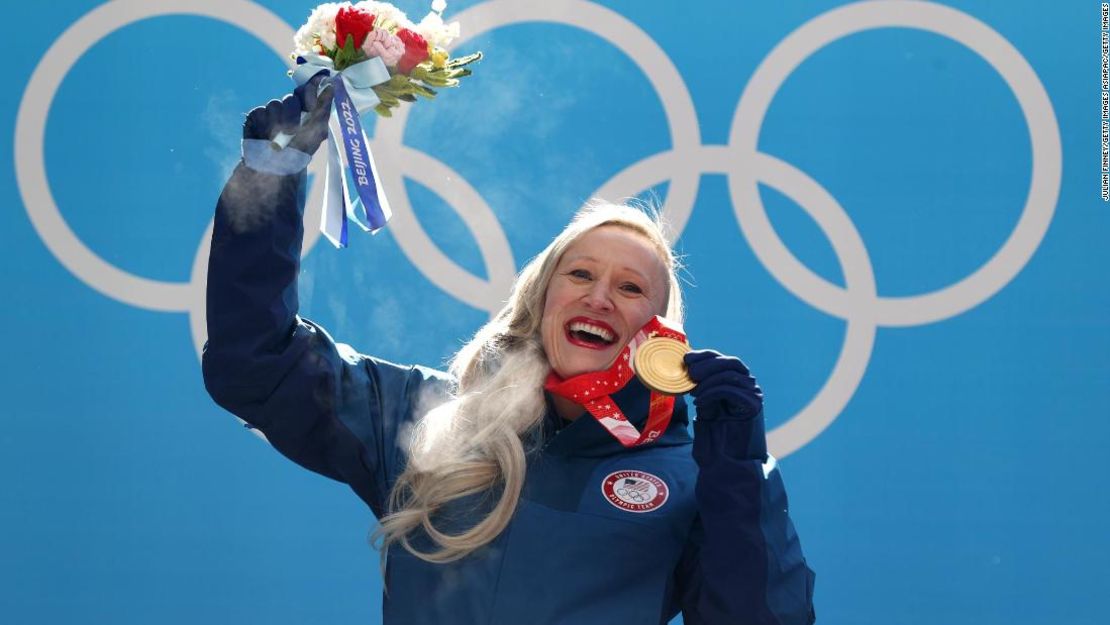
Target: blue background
[(965, 482)]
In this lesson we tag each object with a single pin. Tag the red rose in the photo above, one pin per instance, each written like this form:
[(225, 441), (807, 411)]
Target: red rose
[(354, 22), (416, 50)]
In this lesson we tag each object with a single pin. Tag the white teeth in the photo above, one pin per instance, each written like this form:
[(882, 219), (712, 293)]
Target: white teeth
[(579, 326)]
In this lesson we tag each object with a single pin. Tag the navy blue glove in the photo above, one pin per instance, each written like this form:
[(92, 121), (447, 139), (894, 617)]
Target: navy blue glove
[(265, 122), (725, 388)]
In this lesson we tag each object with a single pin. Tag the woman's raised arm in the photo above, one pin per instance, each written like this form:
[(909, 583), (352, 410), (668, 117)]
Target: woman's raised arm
[(318, 402)]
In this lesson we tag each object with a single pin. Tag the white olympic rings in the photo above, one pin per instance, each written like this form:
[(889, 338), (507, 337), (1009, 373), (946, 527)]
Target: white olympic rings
[(858, 302)]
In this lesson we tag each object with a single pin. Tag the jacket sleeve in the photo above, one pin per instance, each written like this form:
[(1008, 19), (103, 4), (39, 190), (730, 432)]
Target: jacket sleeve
[(743, 563), (318, 402)]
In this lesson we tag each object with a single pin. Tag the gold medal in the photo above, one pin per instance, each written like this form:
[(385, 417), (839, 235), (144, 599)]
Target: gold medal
[(660, 367)]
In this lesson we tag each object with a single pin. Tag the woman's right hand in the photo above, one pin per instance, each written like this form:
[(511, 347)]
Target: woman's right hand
[(277, 116)]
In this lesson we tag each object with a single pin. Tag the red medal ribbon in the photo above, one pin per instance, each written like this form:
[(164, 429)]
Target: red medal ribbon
[(593, 390)]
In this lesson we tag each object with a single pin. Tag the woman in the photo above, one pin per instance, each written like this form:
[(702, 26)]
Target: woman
[(501, 499)]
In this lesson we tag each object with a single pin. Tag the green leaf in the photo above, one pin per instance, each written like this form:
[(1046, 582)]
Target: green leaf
[(387, 98), (423, 91), (464, 60), (441, 80), (399, 80), (348, 55)]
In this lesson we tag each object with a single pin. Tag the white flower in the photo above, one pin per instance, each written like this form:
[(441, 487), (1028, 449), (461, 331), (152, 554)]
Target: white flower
[(439, 5), (436, 32), (320, 24), (387, 11)]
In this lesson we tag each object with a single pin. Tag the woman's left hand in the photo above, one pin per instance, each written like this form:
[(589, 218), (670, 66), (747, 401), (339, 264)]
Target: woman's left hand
[(725, 387), (749, 563)]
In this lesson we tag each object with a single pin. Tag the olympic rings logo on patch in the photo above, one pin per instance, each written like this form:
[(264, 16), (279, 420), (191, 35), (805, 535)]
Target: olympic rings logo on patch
[(858, 302), (634, 491)]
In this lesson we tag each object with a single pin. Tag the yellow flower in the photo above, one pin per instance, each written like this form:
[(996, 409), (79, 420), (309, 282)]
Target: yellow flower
[(439, 57)]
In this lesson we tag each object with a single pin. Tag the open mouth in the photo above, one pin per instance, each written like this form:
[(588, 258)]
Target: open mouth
[(590, 333)]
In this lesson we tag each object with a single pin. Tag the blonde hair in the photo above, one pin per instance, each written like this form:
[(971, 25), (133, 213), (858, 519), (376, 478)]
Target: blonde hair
[(475, 443)]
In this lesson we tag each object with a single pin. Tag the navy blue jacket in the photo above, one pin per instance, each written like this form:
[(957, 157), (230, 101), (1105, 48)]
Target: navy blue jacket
[(715, 543)]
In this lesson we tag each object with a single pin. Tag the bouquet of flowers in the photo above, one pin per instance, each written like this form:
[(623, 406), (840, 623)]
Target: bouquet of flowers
[(375, 58), (415, 54)]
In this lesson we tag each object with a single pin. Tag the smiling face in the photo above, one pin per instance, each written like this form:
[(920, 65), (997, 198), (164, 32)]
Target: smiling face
[(607, 285)]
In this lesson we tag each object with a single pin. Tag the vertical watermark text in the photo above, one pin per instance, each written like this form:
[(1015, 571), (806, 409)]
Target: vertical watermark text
[(1105, 107)]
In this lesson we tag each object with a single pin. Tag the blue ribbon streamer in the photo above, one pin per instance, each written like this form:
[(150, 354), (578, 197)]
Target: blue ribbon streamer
[(351, 182)]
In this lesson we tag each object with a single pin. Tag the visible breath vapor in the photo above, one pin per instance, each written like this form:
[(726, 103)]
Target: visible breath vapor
[(251, 205), (254, 204), (223, 121)]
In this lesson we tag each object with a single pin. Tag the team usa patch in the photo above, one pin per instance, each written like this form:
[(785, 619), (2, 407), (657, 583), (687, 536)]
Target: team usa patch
[(634, 491)]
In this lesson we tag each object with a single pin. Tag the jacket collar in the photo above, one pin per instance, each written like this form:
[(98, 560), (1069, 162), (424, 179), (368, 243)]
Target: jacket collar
[(588, 438)]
